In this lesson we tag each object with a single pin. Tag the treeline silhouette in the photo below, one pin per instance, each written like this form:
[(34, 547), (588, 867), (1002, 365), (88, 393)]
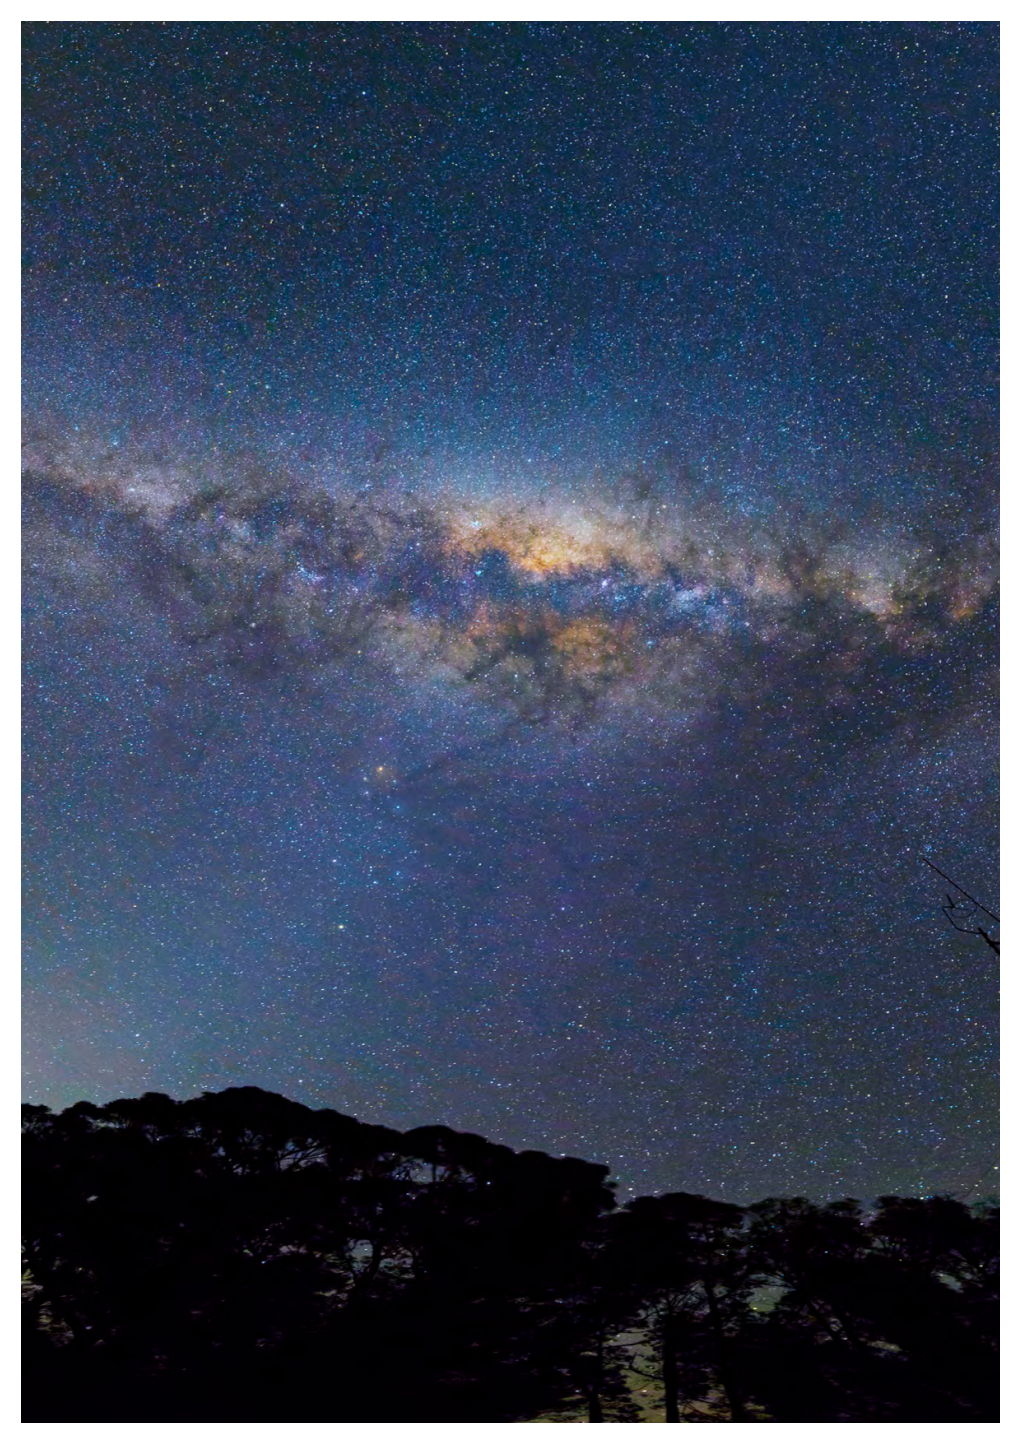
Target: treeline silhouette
[(240, 1257)]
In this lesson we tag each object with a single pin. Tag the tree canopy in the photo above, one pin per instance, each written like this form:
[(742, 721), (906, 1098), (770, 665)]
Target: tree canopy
[(242, 1257)]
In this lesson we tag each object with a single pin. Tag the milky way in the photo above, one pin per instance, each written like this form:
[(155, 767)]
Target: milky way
[(557, 612), (510, 586)]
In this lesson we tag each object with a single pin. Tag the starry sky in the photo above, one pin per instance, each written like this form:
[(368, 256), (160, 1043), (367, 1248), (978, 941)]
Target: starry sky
[(510, 584)]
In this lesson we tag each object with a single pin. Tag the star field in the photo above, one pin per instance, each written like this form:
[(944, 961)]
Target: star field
[(511, 584)]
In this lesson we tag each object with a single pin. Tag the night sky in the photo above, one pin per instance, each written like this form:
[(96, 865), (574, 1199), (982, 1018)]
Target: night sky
[(510, 589)]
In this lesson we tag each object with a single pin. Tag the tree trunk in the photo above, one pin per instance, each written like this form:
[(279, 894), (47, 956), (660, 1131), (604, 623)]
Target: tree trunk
[(595, 1391), (738, 1413), (670, 1380)]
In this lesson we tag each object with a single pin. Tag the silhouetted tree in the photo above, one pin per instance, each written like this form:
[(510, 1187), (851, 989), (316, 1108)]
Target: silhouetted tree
[(869, 1325), (240, 1257), (688, 1252)]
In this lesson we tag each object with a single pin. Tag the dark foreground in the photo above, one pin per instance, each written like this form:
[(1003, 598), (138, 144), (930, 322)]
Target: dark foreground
[(241, 1258)]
